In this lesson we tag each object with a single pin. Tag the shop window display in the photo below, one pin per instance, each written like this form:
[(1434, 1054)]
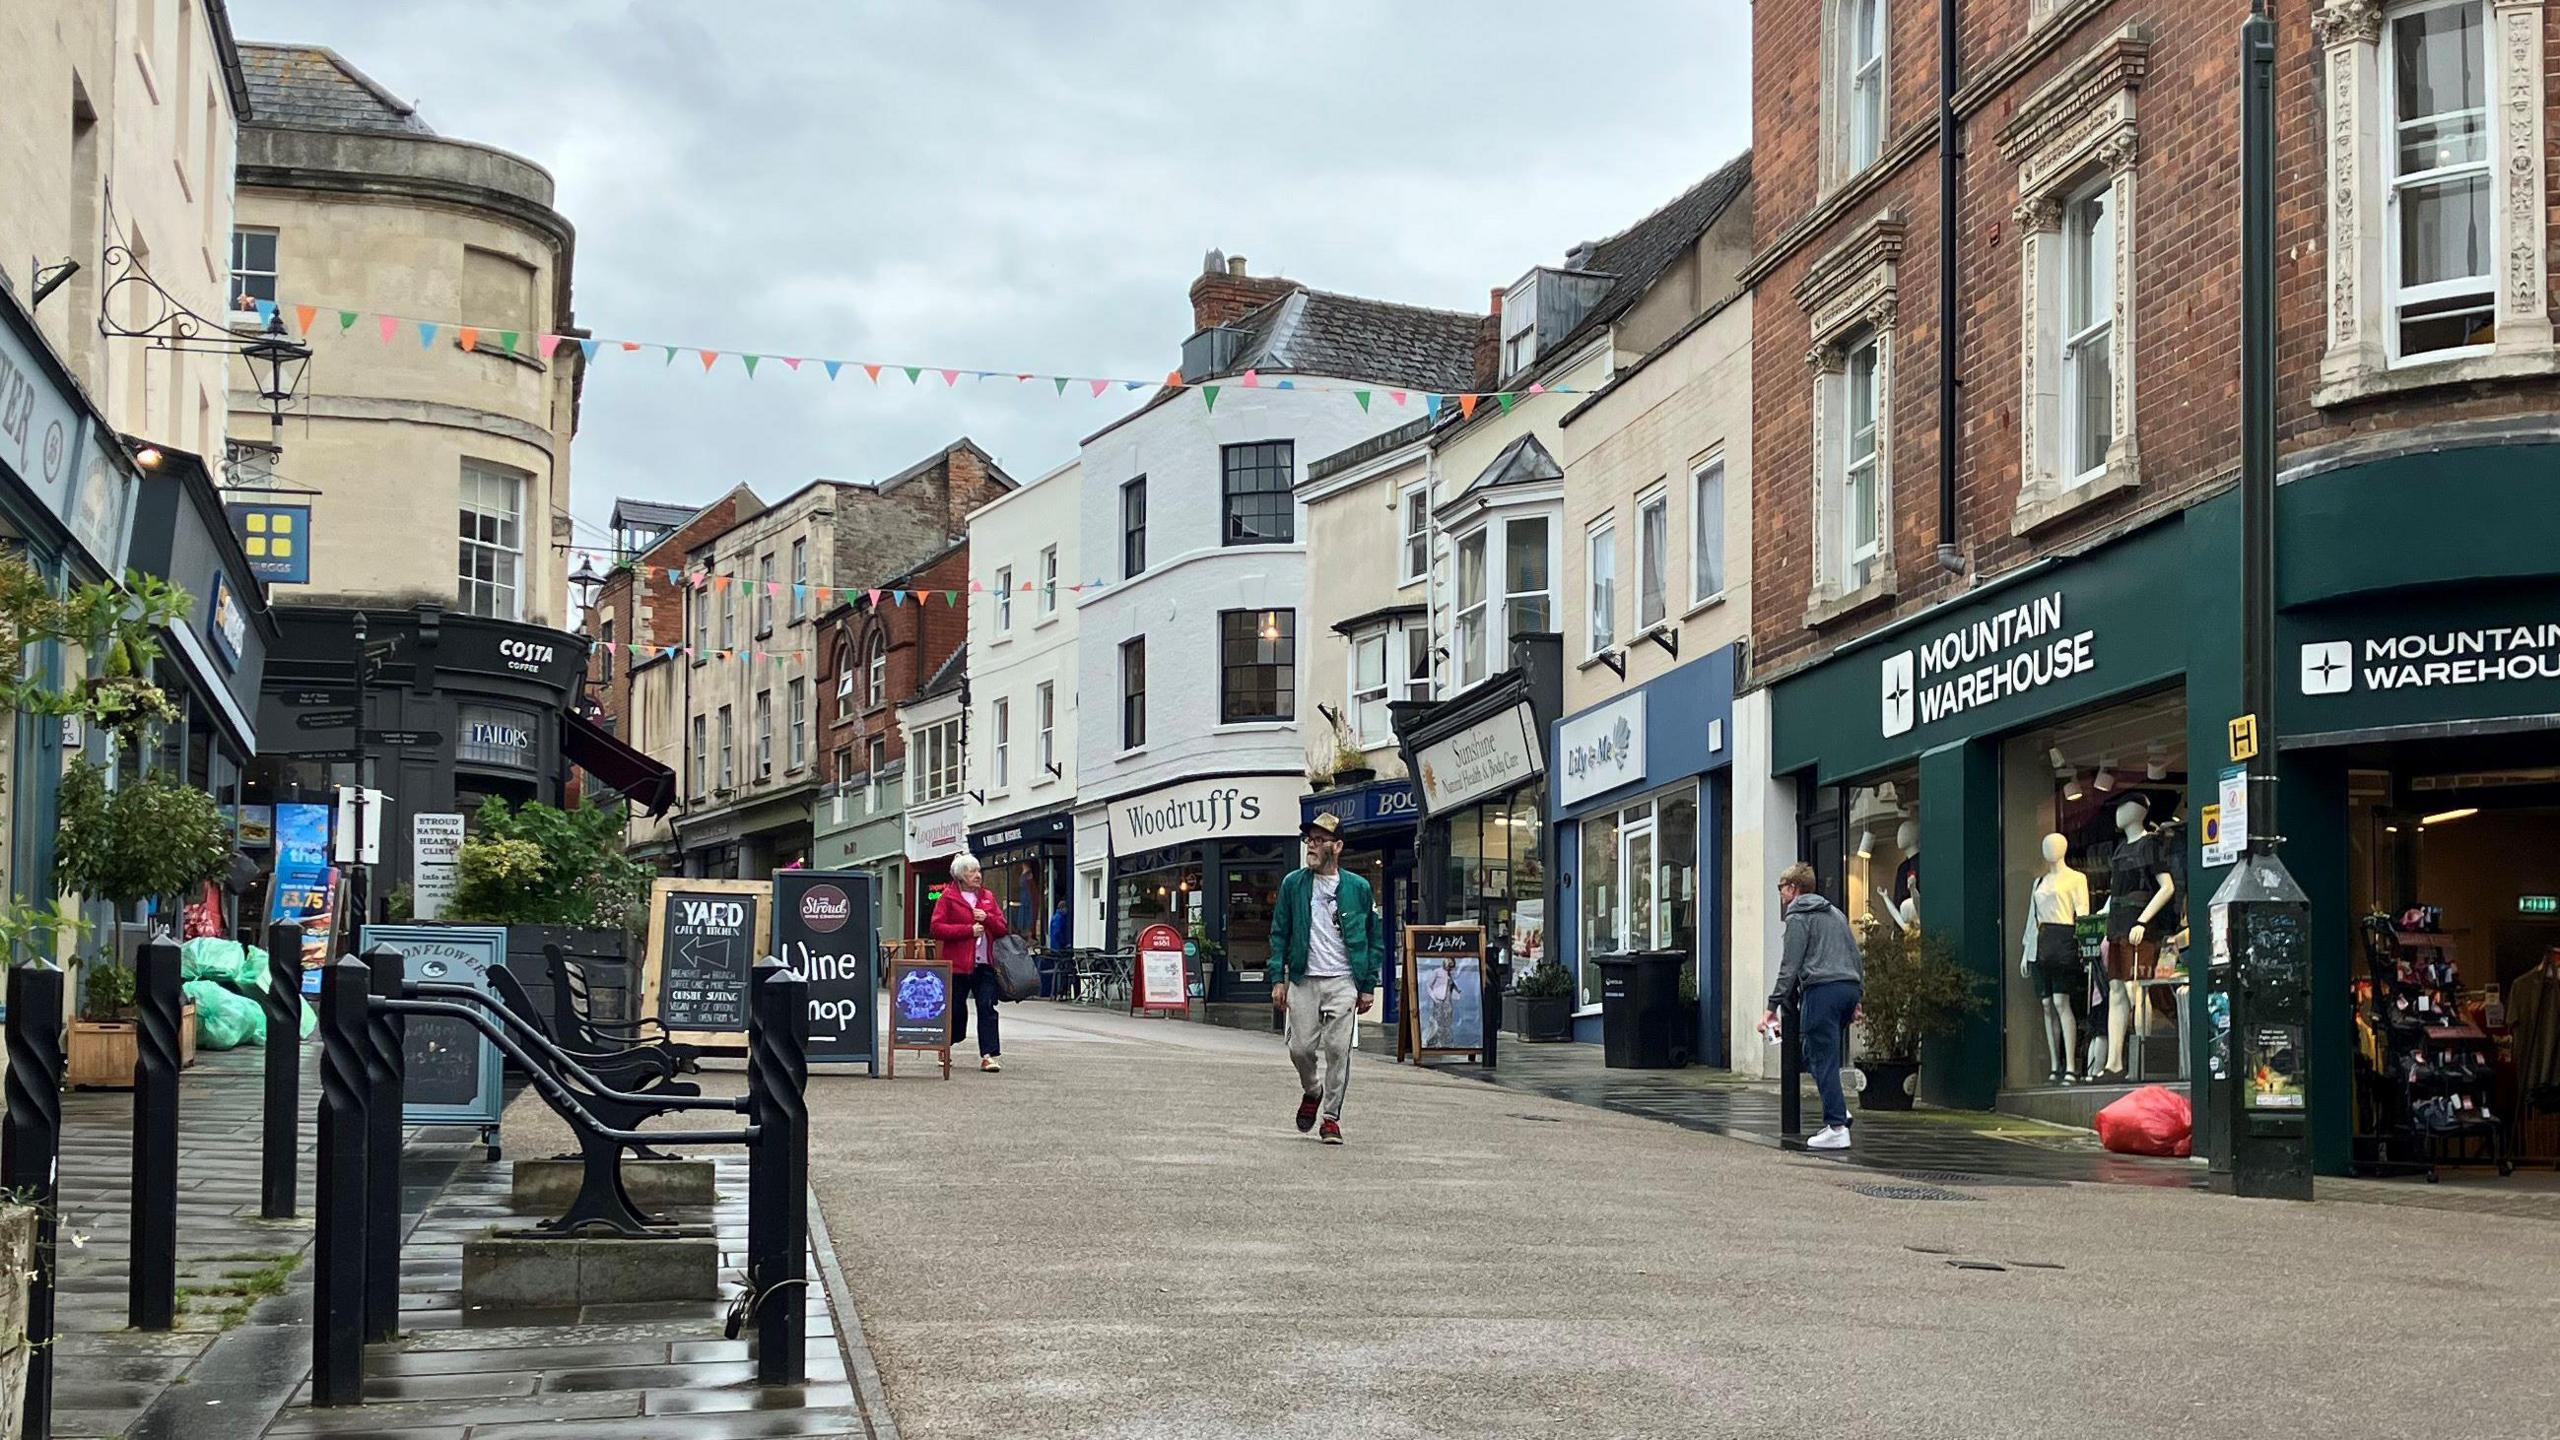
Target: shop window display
[(1639, 881), (1883, 838), (1496, 877)]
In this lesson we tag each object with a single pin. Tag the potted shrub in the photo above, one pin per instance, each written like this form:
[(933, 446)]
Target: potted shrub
[(1542, 1003), (1914, 990), (1351, 763), (149, 838)]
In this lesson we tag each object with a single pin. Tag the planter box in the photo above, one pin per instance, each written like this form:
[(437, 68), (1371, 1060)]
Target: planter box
[(1540, 1017), (1888, 1084), (101, 1054)]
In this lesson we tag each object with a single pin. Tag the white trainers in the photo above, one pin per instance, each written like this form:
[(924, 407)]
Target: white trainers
[(1830, 1137)]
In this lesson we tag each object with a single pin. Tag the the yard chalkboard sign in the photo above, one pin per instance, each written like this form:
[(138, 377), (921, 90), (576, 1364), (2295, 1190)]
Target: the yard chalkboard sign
[(451, 1069), (826, 926), (705, 937)]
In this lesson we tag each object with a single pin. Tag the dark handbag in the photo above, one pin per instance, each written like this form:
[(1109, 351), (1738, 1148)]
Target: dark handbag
[(1017, 974)]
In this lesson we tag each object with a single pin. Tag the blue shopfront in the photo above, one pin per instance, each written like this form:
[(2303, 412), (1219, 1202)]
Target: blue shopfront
[(1379, 821), (1641, 803)]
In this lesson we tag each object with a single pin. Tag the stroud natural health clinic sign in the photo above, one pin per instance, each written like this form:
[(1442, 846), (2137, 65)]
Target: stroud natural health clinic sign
[(2009, 653)]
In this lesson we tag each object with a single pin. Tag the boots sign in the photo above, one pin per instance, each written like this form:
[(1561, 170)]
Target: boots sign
[(825, 926)]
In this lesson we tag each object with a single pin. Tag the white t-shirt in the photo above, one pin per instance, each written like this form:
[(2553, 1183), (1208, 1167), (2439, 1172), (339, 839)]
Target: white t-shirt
[(1325, 952)]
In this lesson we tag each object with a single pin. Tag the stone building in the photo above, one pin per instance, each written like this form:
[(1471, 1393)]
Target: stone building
[(1999, 601)]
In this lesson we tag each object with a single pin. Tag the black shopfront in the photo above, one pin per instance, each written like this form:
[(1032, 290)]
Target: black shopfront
[(1029, 862)]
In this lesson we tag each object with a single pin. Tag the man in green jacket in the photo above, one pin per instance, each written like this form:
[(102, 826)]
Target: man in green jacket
[(1324, 943)]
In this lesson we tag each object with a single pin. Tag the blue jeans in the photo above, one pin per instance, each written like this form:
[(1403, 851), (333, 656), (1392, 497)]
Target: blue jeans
[(1826, 1009)]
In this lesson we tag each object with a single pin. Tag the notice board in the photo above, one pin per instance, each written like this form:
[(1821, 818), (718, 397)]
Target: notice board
[(826, 926), (704, 938), (451, 1067), (920, 1001)]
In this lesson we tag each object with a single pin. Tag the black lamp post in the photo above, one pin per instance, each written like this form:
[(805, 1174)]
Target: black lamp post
[(276, 361)]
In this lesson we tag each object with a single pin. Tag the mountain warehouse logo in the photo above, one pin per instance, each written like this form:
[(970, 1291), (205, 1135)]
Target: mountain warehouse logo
[(2420, 662), (2017, 650)]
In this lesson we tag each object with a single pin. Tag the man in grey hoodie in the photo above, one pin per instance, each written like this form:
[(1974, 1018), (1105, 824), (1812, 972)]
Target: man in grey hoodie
[(1819, 963)]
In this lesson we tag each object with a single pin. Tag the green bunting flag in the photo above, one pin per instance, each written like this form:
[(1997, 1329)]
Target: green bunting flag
[(507, 339), (1062, 383), (346, 321), (1363, 397), (671, 353), (1209, 393), (751, 364), (1503, 398), (912, 372)]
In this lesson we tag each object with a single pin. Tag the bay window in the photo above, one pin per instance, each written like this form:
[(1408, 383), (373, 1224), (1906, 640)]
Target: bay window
[(1471, 609), (1515, 552)]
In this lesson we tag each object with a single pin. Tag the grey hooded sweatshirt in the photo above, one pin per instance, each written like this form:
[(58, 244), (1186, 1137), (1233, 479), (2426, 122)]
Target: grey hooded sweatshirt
[(1817, 948)]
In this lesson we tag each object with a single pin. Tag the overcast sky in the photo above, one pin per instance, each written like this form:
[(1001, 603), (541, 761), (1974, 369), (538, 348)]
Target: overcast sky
[(1022, 186)]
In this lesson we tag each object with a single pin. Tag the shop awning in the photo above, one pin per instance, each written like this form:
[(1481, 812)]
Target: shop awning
[(592, 748)]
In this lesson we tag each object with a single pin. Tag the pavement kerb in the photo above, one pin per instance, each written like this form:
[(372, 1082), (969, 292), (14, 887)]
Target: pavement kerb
[(869, 1393)]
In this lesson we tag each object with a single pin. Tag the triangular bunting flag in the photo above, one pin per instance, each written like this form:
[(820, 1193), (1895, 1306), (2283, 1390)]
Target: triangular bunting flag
[(1431, 406), (1503, 398), (426, 334), (977, 587), (389, 324), (266, 313), (751, 364), (546, 346), (1363, 397), (1210, 394), (507, 340), (951, 598), (1173, 379), (912, 372), (346, 321), (792, 361), (1537, 389), (1288, 384), (951, 378), (875, 598), (630, 347), (873, 371), (1061, 383), (587, 348), (1251, 379), (671, 353), (469, 338), (1396, 395), (1467, 406), (303, 316), (1078, 587), (709, 357), (832, 367), (1133, 384), (1099, 386)]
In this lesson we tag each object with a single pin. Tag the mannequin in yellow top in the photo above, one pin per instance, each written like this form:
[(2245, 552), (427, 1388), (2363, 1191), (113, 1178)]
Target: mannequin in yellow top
[(2055, 904)]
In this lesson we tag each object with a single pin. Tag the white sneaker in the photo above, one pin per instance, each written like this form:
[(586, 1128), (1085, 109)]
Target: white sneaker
[(1831, 1137)]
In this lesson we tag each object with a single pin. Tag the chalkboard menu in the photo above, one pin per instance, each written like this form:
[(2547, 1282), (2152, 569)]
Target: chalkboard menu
[(451, 1071), (826, 927), (704, 937)]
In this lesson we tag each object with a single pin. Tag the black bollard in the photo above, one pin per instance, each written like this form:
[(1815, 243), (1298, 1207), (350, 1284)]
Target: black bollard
[(30, 1142), (339, 1198), (1790, 1069), (386, 1085), (778, 1176), (280, 1147), (151, 1277)]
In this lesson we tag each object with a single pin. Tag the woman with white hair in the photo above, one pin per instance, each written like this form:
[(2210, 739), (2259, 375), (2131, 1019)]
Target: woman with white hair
[(968, 922)]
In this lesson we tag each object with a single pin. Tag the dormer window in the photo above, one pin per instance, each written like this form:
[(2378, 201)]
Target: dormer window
[(1520, 327)]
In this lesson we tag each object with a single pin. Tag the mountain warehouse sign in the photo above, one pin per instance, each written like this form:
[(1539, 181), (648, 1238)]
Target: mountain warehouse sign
[(2482, 656), (2008, 653)]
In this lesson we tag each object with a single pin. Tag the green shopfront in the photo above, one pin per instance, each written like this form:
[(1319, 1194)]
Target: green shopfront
[(2088, 698)]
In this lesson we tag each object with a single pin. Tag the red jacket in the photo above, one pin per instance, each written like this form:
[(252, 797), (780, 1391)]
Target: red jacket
[(953, 922)]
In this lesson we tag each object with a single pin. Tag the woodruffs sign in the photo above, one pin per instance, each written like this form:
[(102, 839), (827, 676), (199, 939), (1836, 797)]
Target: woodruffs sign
[(2017, 650), (1227, 808)]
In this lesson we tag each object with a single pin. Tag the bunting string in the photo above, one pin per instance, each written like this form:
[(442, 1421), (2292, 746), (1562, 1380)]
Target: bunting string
[(311, 319)]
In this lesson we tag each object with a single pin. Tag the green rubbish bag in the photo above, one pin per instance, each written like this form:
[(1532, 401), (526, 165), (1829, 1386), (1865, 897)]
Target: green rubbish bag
[(209, 958), (225, 1020)]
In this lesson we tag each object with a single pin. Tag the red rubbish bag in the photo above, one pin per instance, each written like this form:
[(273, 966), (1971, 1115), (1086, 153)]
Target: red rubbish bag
[(2154, 1120)]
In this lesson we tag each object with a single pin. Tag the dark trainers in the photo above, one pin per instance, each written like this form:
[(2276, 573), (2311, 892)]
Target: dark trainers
[(1306, 1114), (1332, 1132)]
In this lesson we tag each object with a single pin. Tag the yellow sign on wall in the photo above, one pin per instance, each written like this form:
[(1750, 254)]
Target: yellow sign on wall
[(2244, 738)]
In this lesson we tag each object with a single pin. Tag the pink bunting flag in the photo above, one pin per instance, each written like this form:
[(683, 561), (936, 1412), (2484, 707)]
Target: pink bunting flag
[(1251, 379), (875, 599), (546, 345), (1537, 389), (975, 586), (792, 360), (951, 377), (389, 324), (1396, 395), (1098, 387)]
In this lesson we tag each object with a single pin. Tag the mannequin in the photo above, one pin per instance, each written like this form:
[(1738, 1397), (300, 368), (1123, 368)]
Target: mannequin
[(1902, 902), (2059, 897), (2139, 888)]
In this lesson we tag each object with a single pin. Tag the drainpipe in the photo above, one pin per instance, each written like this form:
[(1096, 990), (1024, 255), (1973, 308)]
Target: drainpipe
[(1948, 320)]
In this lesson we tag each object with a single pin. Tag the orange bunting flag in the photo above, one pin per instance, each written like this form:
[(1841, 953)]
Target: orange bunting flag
[(873, 371), (469, 337), (1467, 406), (708, 356), (303, 314)]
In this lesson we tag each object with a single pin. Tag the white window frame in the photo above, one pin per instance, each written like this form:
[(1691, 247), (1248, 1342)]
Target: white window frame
[(1413, 511), (796, 718), (1048, 581), (505, 550), (1707, 568), (1004, 600), (1858, 524), (1653, 607), (764, 594), (876, 670), (936, 752), (764, 734), (1000, 746), (728, 749), (1481, 632), (876, 757), (844, 694), (799, 580), (1520, 326), (2363, 358), (241, 270), (2083, 250), (728, 610), (1850, 297), (1475, 617), (1546, 594), (2073, 140), (1600, 585), (1044, 714), (2396, 186), (1417, 661), (701, 756), (1371, 699), (1868, 44), (1137, 645), (701, 601)]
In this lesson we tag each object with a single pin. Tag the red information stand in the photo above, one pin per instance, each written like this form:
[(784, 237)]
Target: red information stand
[(1156, 982)]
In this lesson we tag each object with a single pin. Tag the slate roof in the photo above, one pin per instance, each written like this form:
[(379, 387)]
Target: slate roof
[(1522, 462), (311, 87), (650, 512), (948, 678), (1317, 332)]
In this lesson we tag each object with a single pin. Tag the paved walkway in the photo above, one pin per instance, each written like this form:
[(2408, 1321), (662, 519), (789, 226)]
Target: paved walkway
[(1122, 1236)]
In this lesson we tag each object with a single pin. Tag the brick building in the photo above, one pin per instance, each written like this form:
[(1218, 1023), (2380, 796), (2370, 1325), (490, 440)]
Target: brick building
[(642, 602), (873, 656), (753, 742), (2034, 631)]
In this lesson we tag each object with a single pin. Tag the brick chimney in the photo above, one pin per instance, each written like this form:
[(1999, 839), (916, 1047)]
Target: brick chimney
[(1489, 345), (1224, 292)]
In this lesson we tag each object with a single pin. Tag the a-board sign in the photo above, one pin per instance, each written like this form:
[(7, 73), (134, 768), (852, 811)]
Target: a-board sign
[(451, 1069), (920, 1002), (1444, 988), (826, 926), (704, 938), (1156, 983)]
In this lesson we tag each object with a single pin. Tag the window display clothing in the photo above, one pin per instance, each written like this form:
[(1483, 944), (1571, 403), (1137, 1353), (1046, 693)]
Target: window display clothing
[(2133, 880), (2533, 1010)]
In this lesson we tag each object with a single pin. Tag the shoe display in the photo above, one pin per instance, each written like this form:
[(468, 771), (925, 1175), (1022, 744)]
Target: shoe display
[(1307, 1114)]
